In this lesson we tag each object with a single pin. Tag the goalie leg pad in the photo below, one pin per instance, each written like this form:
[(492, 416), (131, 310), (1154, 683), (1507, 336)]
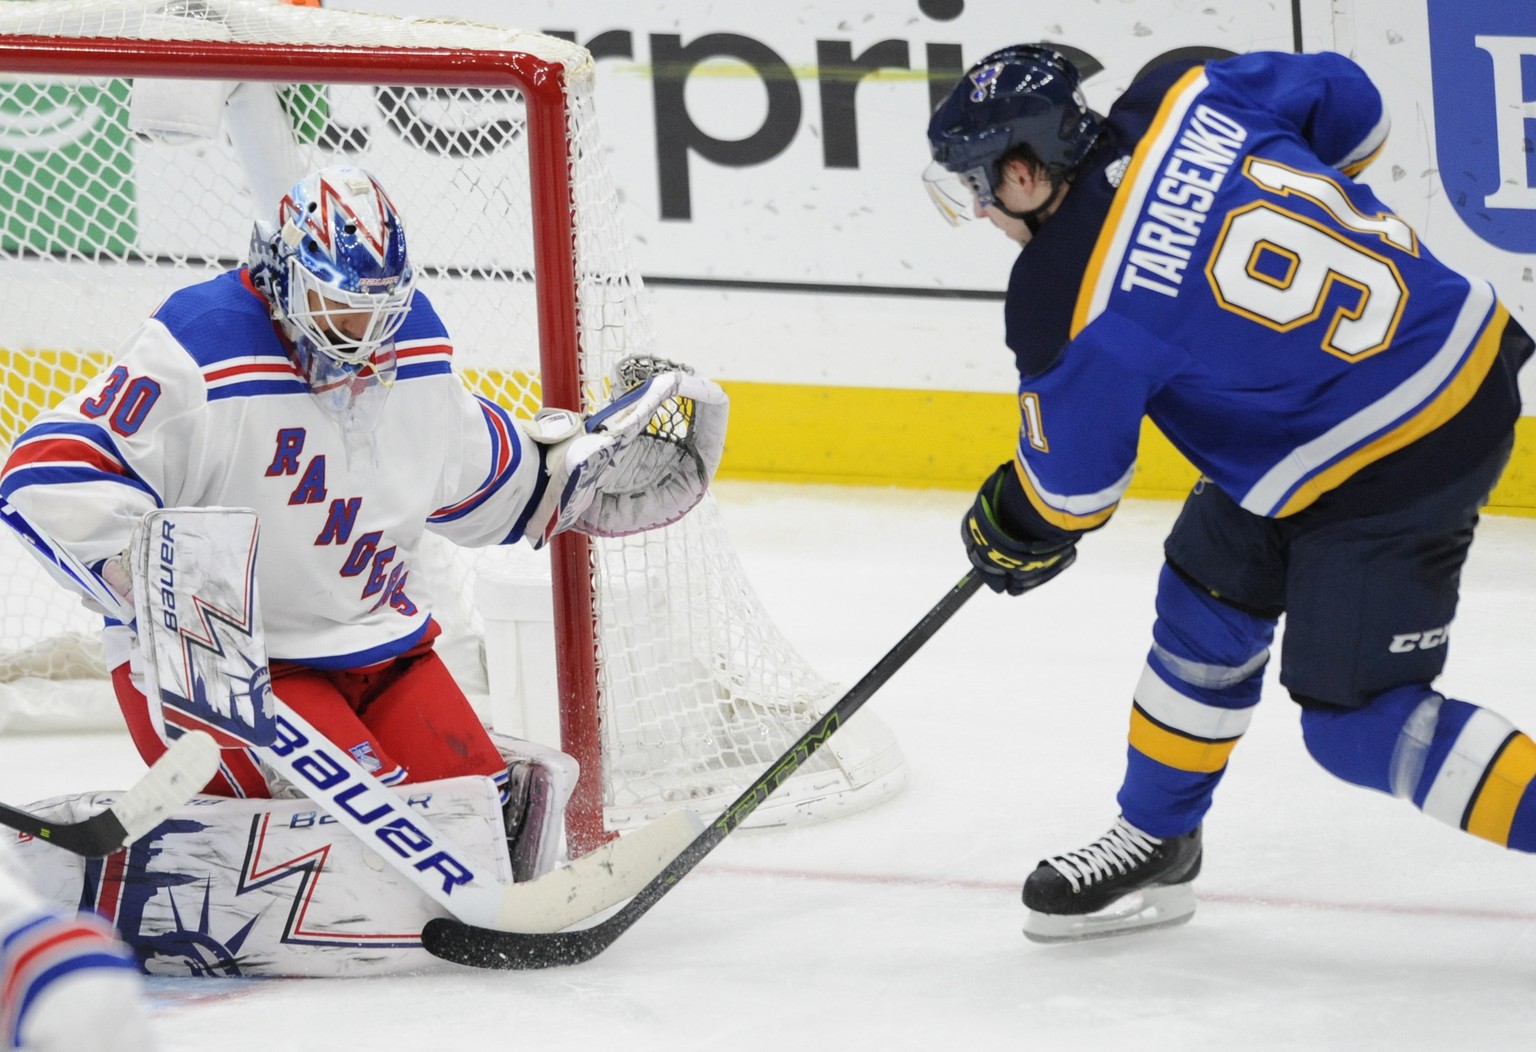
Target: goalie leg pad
[(540, 781), (265, 887)]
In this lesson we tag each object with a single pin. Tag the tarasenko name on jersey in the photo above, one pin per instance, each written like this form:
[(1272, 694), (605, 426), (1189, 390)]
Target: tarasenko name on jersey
[(1276, 321), (1205, 151)]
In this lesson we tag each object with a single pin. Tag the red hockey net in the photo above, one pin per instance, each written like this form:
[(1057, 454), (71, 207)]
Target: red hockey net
[(138, 140)]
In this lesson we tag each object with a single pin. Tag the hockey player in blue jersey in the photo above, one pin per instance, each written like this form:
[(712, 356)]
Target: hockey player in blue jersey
[(1202, 255)]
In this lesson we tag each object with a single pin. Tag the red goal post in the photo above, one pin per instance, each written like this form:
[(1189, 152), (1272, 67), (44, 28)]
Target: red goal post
[(674, 687)]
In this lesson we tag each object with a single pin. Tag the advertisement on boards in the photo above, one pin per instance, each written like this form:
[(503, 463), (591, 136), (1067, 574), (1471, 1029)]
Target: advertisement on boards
[(1460, 80), (769, 163), (770, 158)]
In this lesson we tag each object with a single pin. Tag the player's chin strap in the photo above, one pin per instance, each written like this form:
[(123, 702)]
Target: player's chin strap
[(1034, 218)]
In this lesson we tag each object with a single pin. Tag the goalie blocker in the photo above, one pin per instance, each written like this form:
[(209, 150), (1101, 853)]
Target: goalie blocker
[(205, 664)]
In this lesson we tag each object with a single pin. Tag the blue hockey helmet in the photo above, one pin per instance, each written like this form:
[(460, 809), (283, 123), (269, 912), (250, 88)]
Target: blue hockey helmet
[(334, 266), (338, 283), (1024, 95)]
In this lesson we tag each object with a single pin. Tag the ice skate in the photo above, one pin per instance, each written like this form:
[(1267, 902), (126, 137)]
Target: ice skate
[(1124, 881)]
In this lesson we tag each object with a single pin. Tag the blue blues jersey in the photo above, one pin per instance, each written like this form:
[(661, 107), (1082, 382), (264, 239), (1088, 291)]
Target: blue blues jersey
[(1217, 268)]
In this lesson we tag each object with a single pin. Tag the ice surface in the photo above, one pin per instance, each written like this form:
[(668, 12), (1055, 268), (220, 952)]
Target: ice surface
[(1329, 917)]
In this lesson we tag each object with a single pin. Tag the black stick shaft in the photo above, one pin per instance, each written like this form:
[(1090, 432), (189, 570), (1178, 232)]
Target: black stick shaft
[(483, 948), (97, 836)]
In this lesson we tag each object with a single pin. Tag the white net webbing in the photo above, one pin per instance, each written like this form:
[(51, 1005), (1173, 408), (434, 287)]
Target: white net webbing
[(115, 191)]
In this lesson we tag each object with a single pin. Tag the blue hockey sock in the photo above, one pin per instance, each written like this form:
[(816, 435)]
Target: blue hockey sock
[(1459, 763), (1194, 701)]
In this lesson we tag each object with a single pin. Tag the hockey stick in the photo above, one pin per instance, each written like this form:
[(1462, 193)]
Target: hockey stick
[(184, 769), (482, 948), (441, 869)]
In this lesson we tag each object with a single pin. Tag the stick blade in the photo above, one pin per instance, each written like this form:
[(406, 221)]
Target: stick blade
[(532, 913), (600, 879), (174, 779), (171, 782), (466, 944)]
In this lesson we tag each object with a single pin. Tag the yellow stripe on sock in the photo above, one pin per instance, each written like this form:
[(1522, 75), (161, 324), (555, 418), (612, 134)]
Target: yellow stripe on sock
[(1493, 812), (1167, 747)]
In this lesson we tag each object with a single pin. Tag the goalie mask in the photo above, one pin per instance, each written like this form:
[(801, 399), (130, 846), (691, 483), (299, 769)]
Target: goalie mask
[(1025, 95), (338, 281)]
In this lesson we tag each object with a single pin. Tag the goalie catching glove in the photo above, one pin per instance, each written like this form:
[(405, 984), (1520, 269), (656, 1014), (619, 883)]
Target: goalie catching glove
[(1008, 564), (642, 461)]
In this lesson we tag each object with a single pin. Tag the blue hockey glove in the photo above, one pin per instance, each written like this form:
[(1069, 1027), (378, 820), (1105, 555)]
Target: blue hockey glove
[(1006, 563)]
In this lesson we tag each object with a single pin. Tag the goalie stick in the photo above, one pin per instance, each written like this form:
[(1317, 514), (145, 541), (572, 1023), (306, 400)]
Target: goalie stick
[(483, 948), (328, 775), (173, 780), (325, 773)]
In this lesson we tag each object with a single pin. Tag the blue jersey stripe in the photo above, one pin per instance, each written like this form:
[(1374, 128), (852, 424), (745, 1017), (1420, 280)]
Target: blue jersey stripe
[(53, 475), (85, 962), (362, 658), (257, 388), (419, 369), (506, 455)]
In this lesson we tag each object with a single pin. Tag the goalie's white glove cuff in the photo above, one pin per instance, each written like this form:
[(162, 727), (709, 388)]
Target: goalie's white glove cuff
[(117, 574), (115, 571), (550, 427), (568, 451), (643, 461)]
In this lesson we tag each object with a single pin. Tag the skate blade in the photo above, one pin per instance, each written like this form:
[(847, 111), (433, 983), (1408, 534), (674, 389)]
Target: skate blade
[(1161, 907)]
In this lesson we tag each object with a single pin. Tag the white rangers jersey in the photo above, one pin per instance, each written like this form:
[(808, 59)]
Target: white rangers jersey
[(204, 408)]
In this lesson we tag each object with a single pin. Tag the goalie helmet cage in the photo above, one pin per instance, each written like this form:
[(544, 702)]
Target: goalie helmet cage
[(137, 142)]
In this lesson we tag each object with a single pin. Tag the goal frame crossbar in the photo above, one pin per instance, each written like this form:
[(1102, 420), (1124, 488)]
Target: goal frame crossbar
[(540, 81)]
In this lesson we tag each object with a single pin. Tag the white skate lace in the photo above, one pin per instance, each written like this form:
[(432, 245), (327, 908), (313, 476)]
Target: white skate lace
[(1117, 851)]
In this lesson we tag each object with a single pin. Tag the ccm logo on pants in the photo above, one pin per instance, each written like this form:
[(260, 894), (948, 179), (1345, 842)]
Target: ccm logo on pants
[(1428, 640)]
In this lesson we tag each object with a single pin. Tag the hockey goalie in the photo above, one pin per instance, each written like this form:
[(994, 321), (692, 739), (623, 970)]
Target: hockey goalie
[(243, 493)]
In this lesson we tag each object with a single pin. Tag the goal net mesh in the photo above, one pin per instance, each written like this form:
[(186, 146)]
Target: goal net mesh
[(116, 190)]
